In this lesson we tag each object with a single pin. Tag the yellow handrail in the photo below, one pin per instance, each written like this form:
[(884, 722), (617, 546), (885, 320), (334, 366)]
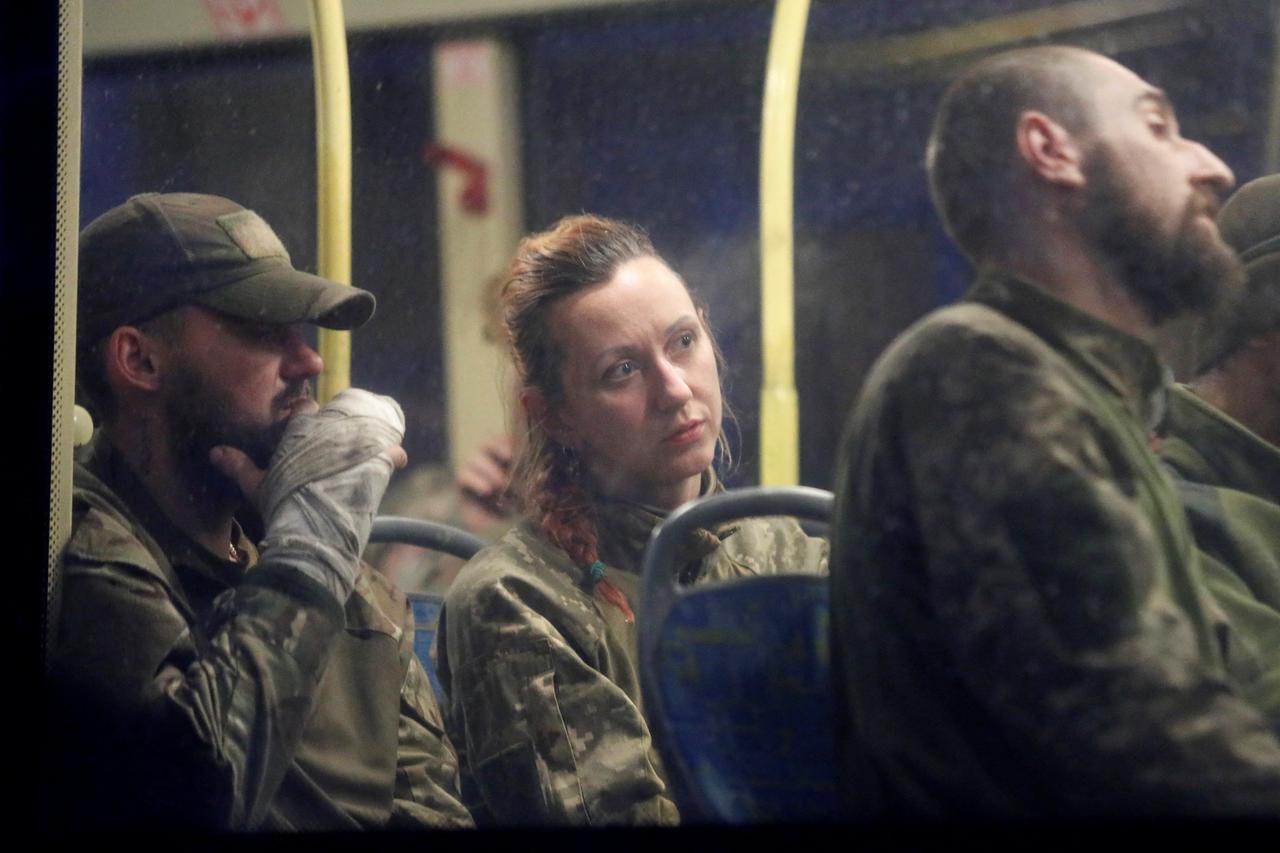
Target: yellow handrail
[(779, 406), (333, 172)]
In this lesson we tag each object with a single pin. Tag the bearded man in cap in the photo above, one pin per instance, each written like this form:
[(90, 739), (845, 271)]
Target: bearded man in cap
[(1221, 437), (198, 679), (1020, 622)]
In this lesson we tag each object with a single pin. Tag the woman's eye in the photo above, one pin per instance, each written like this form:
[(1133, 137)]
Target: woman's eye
[(685, 340)]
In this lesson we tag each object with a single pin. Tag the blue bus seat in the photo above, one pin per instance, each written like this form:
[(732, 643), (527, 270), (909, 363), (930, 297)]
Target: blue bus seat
[(426, 618), (736, 675), (426, 606)]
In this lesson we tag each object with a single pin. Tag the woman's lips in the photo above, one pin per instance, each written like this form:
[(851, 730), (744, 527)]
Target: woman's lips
[(686, 434)]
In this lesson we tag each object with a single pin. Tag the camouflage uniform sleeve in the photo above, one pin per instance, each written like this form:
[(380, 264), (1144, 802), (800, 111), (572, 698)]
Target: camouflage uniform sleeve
[(547, 737), (184, 729), (798, 552), (776, 545), (426, 789), (1050, 581), (816, 554)]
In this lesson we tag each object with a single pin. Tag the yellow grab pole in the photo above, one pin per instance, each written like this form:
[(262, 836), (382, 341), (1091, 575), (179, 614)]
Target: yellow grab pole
[(333, 169), (779, 407)]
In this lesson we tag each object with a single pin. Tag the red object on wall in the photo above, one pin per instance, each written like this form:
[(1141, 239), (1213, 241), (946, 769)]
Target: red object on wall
[(475, 192), (246, 17)]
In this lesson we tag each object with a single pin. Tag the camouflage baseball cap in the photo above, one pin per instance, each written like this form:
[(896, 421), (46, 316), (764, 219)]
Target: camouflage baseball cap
[(1250, 223), (158, 251)]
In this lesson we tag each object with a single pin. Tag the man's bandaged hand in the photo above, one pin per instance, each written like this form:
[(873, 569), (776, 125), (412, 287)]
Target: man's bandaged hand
[(325, 482)]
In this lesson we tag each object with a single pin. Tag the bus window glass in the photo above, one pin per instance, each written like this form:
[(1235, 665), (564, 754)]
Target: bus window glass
[(650, 111)]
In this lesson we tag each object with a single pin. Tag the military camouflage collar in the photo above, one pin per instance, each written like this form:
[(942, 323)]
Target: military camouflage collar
[(103, 461), (1125, 364), (1206, 445), (624, 528)]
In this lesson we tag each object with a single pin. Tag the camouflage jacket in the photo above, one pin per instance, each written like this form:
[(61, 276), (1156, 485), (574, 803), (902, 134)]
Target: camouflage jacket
[(543, 677), (195, 692), (1229, 480), (1020, 622)]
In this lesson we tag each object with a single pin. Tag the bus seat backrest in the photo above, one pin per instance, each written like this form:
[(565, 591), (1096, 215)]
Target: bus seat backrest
[(736, 676)]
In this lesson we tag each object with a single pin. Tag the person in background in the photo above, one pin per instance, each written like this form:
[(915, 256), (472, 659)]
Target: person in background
[(200, 680), (1020, 621), (620, 387), (1221, 438), (476, 497)]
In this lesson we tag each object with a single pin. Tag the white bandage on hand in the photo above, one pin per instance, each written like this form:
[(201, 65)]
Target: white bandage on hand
[(324, 484)]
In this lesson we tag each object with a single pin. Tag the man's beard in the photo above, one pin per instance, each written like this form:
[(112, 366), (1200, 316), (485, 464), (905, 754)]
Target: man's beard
[(198, 422), (1169, 276)]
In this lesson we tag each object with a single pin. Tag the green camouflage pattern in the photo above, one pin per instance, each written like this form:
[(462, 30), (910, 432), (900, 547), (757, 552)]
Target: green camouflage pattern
[(233, 698), (1229, 479), (1020, 621), (543, 676)]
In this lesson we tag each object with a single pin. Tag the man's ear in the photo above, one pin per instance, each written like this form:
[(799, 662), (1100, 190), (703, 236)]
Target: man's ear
[(540, 411), (133, 360), (1049, 150)]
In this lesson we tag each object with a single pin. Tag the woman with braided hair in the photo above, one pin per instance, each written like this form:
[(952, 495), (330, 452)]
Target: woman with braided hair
[(620, 386)]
